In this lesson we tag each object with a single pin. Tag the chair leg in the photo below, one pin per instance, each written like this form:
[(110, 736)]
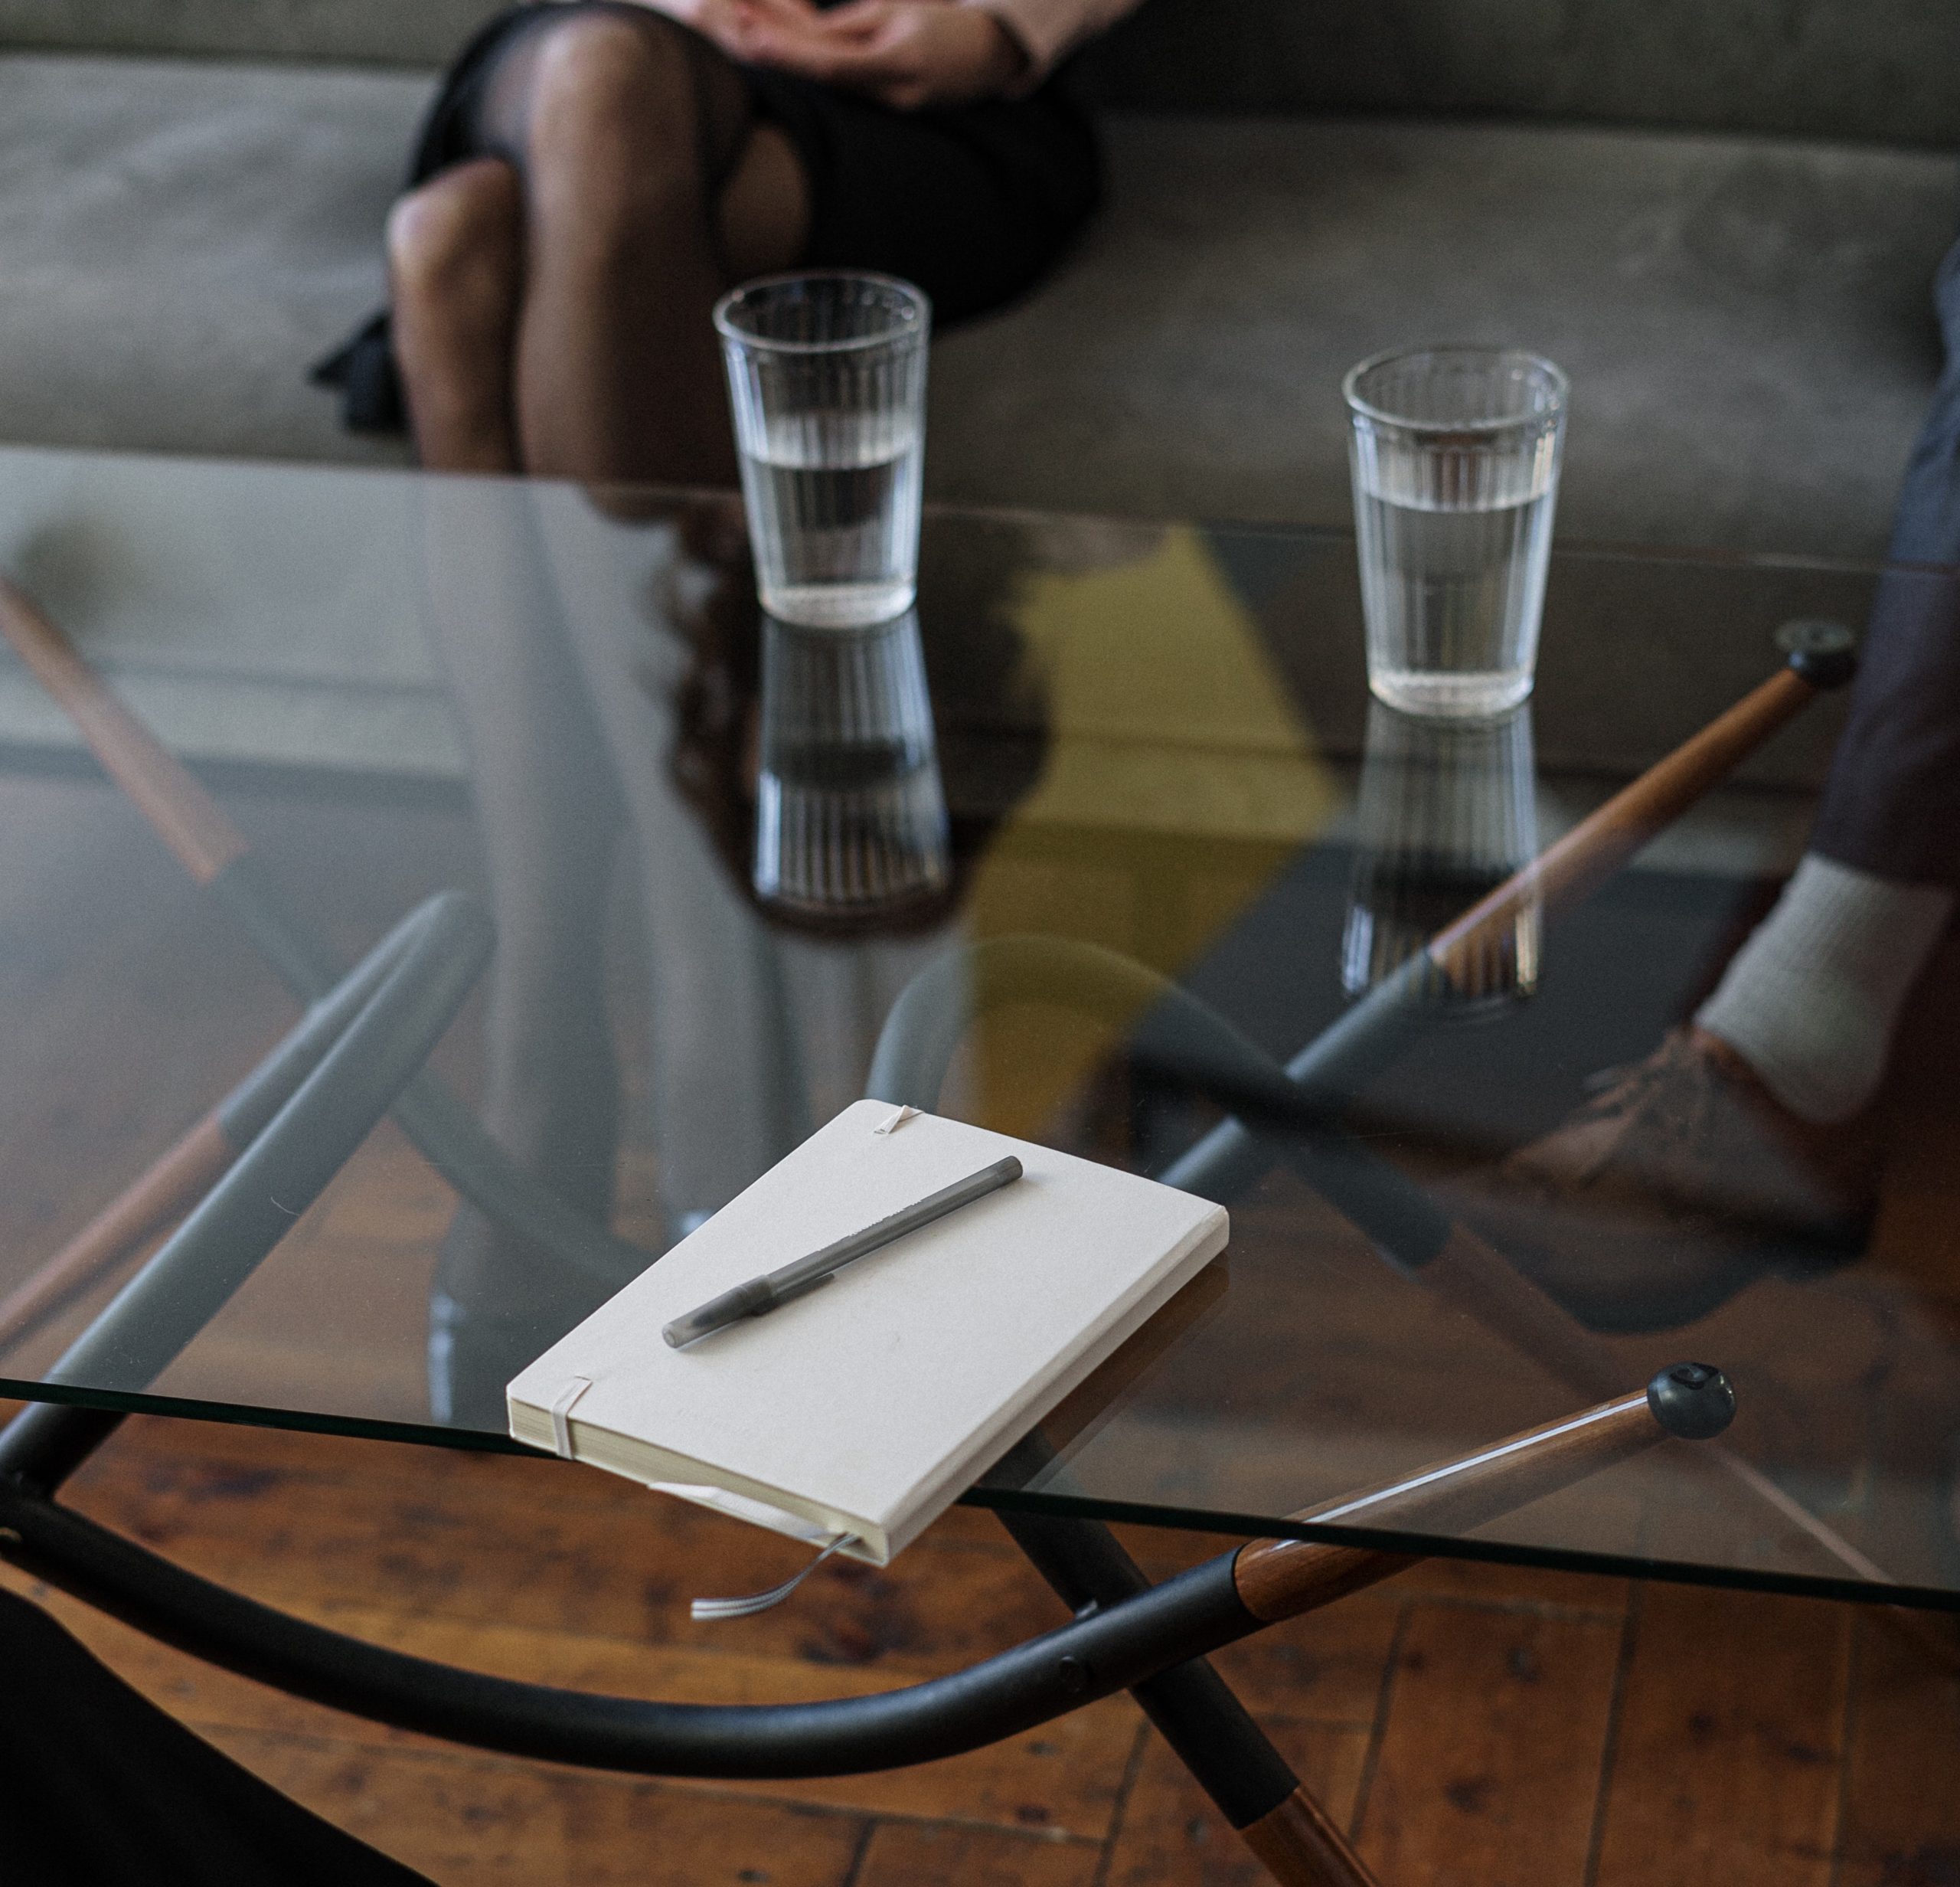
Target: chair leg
[(1193, 1709), (1300, 1847)]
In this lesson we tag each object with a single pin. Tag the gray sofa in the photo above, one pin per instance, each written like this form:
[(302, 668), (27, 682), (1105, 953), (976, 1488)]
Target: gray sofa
[(1720, 216)]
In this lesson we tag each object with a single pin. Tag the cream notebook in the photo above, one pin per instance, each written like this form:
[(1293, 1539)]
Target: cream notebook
[(866, 1407)]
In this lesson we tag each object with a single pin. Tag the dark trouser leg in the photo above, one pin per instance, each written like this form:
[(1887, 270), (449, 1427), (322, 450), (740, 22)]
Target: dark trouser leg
[(1891, 806)]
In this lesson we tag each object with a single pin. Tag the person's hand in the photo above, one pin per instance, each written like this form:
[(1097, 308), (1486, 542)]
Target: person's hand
[(730, 23), (904, 52)]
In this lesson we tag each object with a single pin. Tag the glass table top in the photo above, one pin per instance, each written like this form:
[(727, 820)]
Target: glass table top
[(717, 850)]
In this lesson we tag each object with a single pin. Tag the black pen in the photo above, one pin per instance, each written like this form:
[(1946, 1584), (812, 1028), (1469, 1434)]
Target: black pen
[(761, 1295)]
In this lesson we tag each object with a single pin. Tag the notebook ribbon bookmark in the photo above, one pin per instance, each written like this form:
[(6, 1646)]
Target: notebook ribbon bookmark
[(561, 1414), (706, 1609)]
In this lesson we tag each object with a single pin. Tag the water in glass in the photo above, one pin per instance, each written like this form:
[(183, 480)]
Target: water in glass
[(1455, 452), (827, 386), (1453, 591), (833, 501)]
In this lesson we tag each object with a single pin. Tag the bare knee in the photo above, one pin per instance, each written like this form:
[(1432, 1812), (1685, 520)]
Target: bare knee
[(459, 238), (612, 112)]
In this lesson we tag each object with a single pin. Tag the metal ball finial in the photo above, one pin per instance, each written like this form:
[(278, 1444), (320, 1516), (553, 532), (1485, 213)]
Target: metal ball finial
[(1824, 653), (1694, 1400)]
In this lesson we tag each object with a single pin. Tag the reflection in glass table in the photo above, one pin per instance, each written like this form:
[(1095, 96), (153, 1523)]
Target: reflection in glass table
[(1105, 849)]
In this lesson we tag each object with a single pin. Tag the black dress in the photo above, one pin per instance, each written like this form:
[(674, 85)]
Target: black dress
[(972, 202)]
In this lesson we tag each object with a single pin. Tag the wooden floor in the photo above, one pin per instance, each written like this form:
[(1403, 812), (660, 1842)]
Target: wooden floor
[(1477, 1726)]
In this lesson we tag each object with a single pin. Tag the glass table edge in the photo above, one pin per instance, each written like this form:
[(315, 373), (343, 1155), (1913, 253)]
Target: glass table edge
[(1072, 1506)]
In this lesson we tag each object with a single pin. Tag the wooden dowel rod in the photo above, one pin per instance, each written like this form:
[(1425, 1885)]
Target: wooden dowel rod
[(187, 818), (1602, 842), (1282, 1578), (164, 1193), (1279, 1579), (1299, 1846), (1472, 1277)]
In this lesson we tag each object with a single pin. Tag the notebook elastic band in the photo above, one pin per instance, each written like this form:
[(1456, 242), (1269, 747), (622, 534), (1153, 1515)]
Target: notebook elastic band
[(706, 1609), (561, 1414)]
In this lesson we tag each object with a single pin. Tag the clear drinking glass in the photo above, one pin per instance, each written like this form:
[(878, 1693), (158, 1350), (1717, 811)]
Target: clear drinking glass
[(1449, 810), (827, 377), (851, 816), (1455, 452)]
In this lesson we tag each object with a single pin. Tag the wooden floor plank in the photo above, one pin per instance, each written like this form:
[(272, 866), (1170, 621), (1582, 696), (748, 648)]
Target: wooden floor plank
[(1491, 1753), (911, 1854), (482, 1821), (1323, 1668), (593, 1555), (1726, 1761), (1901, 1825), (1538, 1588)]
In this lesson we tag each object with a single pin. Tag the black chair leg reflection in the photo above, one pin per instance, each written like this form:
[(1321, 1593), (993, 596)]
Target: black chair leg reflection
[(218, 858)]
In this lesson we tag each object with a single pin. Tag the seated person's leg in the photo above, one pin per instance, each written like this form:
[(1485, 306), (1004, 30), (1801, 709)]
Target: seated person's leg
[(1751, 1127), (552, 293), (455, 254), (555, 318), (1810, 1001)]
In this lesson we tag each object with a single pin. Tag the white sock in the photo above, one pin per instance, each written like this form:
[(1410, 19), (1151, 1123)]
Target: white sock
[(1811, 1000)]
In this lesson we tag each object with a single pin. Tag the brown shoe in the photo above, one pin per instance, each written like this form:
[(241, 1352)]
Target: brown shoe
[(1675, 1188)]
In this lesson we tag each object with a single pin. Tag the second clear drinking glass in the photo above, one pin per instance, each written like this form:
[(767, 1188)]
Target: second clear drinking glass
[(1455, 452), (827, 379)]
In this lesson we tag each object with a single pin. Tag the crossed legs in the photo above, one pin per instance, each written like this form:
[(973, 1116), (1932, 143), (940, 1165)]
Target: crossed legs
[(552, 295)]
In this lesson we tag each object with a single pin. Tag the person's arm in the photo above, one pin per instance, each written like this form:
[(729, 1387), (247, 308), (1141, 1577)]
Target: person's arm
[(1047, 30)]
